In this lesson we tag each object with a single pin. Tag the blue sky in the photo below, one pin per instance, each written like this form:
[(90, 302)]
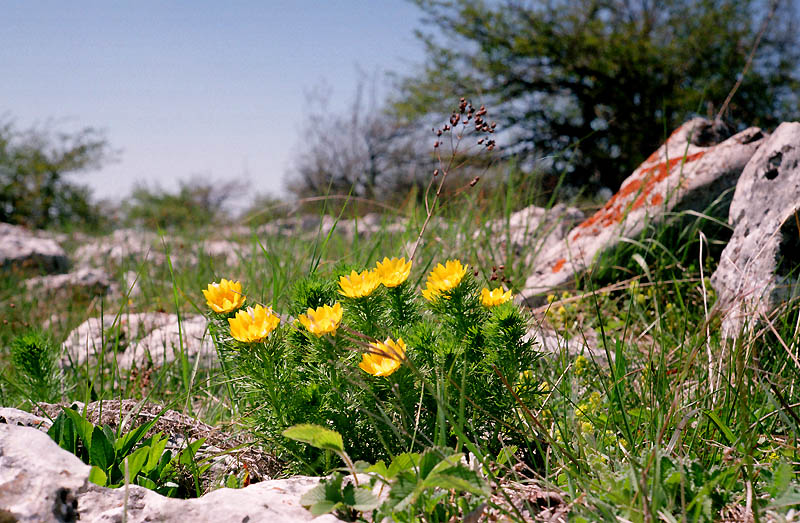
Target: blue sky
[(215, 89)]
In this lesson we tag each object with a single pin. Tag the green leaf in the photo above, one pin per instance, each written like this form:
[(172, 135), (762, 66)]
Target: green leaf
[(323, 507), (360, 499), (731, 439), (402, 463), (82, 426), (97, 476), (136, 461), (127, 441), (316, 436), (506, 454), (101, 451), (157, 446), (458, 479), (315, 495)]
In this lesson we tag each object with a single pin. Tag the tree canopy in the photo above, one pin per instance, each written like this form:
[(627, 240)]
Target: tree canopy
[(591, 87), (33, 166)]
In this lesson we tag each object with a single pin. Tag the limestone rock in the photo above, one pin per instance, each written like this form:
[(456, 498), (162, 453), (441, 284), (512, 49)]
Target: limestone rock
[(39, 481), (687, 172), (756, 268), (124, 245), (23, 250), (86, 281), (12, 416), (534, 228), (140, 339)]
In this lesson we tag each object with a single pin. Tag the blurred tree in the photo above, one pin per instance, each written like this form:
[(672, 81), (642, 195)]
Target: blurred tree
[(197, 202), (594, 85), (363, 149), (34, 163)]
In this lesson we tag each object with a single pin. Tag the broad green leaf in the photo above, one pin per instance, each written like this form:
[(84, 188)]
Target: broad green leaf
[(315, 495), (136, 461), (360, 499), (402, 463), (101, 451), (453, 460), (323, 507), (186, 457), (145, 482), (127, 441), (316, 436), (378, 468), (82, 426), (97, 476), (157, 446)]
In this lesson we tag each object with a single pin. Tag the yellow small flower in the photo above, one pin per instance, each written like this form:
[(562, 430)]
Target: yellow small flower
[(444, 278), (385, 357), (565, 295), (225, 296), (494, 297), (323, 320), (253, 324), (586, 427), (551, 298), (393, 272), (358, 284), (580, 365)]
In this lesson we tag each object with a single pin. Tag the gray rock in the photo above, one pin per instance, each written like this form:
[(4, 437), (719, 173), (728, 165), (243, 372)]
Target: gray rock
[(139, 339), (23, 250), (123, 246), (39, 481), (749, 281), (533, 229), (12, 416), (91, 282), (687, 172)]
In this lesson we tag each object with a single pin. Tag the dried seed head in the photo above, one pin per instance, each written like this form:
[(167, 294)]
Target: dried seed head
[(474, 181), (435, 172)]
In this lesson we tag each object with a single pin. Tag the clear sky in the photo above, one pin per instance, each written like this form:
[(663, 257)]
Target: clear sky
[(186, 88)]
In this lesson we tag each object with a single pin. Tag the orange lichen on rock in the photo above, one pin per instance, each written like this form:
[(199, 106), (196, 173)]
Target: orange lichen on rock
[(559, 264), (614, 210)]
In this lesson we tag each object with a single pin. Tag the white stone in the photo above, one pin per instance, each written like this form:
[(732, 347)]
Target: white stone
[(139, 338), (767, 198)]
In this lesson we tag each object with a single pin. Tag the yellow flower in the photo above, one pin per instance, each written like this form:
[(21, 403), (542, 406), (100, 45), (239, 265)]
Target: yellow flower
[(385, 357), (580, 365), (253, 324), (323, 320), (225, 296), (393, 272), (444, 278), (358, 285), (494, 297)]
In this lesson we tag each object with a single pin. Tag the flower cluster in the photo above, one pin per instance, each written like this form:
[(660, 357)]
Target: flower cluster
[(389, 273)]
